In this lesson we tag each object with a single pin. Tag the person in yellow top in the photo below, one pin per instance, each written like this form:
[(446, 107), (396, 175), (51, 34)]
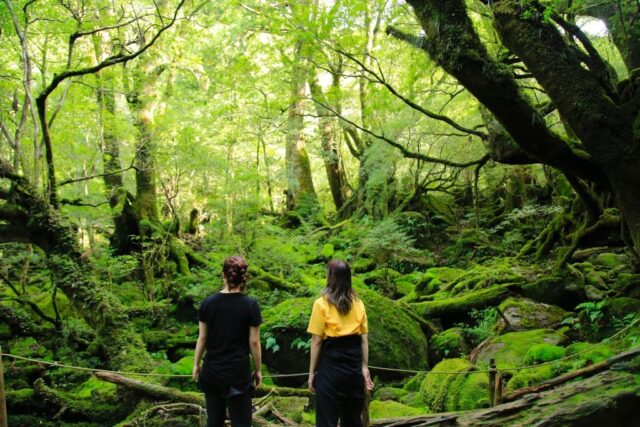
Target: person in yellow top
[(338, 370)]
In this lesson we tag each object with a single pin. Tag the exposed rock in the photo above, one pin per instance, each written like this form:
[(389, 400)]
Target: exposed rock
[(521, 314), (509, 350)]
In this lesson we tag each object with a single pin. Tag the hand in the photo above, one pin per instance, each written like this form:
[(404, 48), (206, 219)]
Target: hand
[(257, 378), (312, 382), (196, 372), (368, 384)]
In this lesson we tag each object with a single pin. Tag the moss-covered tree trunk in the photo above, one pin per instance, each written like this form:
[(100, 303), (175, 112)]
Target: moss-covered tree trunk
[(31, 218), (327, 127), (584, 98), (579, 84), (300, 189)]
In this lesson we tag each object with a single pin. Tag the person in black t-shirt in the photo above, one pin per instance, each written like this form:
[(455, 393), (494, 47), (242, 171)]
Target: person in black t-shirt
[(229, 324)]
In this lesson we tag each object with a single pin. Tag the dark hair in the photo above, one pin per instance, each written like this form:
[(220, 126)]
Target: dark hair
[(339, 292), (235, 271)]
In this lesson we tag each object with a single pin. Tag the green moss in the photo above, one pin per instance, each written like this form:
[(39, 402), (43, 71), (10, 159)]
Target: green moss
[(525, 314), (327, 250), (530, 377), (383, 281), (435, 278), (461, 305), (473, 394), (596, 355), (413, 398), (389, 393), (509, 350), (609, 260), (407, 283), (447, 344), (540, 353), (413, 383), (5, 332), (451, 392), (292, 407), (363, 265), (389, 408), (94, 387), (628, 284), (395, 340), (29, 347)]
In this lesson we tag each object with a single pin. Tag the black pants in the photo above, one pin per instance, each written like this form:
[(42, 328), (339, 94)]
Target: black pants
[(339, 383), (237, 400)]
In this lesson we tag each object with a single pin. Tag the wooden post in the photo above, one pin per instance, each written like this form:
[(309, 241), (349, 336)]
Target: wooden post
[(492, 381), (366, 422), (3, 401), (497, 391)]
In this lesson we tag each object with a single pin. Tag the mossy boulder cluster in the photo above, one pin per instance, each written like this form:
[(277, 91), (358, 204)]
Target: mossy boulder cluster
[(452, 385), (396, 340)]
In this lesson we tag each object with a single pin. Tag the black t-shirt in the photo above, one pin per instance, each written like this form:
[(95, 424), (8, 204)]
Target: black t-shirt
[(228, 317)]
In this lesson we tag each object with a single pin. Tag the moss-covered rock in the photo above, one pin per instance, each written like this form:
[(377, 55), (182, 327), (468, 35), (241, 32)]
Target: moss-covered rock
[(449, 343), (564, 292), (388, 409), (413, 383), (389, 393), (434, 279), (628, 284), (395, 339), (509, 350), (383, 281), (588, 354), (452, 386), (541, 353), (364, 265), (530, 377), (611, 260), (523, 314)]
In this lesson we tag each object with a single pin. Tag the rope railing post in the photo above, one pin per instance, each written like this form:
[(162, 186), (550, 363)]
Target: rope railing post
[(366, 422), (497, 391), (492, 382), (3, 401)]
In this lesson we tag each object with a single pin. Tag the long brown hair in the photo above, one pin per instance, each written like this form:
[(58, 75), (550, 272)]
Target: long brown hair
[(235, 272), (338, 291)]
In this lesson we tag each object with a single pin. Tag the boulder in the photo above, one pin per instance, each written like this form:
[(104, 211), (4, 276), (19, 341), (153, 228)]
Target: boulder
[(395, 339), (449, 343), (458, 389), (509, 350), (521, 314)]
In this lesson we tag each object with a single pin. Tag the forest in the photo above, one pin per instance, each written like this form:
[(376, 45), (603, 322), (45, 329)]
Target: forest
[(477, 163)]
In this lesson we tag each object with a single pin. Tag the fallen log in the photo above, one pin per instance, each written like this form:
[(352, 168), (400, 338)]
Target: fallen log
[(561, 379), (607, 398), (274, 281), (170, 394)]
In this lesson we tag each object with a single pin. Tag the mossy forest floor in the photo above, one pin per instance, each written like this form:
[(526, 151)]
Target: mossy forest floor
[(440, 297)]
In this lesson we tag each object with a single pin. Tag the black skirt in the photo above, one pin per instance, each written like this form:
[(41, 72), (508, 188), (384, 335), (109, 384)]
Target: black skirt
[(340, 367)]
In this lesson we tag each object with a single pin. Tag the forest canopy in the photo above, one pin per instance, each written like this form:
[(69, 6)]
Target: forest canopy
[(463, 156)]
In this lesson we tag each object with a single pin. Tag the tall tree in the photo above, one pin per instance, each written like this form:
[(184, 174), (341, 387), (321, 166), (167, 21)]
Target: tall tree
[(602, 112)]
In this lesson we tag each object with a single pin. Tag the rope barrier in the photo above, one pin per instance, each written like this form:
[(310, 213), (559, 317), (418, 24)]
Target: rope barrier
[(378, 368)]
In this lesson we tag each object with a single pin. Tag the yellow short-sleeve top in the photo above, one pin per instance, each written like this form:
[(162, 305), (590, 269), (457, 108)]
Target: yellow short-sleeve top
[(326, 321)]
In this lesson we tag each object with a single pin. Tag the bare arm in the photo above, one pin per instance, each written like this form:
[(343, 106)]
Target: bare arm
[(365, 362), (256, 353), (316, 346), (200, 345)]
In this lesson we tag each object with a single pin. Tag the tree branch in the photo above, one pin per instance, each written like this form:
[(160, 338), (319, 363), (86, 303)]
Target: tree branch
[(379, 78), (406, 153)]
